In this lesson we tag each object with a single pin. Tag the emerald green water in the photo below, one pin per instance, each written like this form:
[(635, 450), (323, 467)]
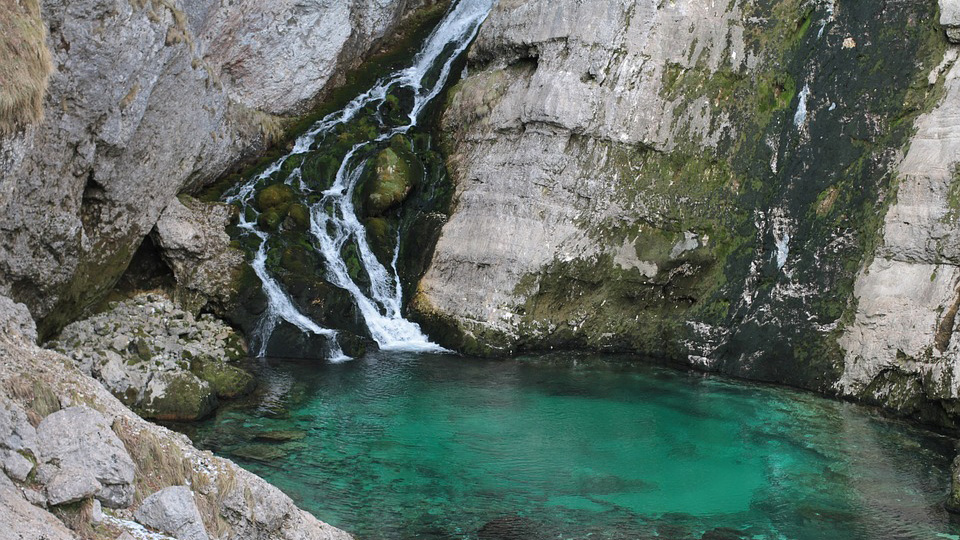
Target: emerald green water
[(406, 446)]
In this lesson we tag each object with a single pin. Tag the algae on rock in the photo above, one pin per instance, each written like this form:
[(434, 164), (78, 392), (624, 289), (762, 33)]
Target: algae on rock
[(695, 182)]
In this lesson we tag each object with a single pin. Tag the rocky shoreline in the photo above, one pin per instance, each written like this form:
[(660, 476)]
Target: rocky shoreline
[(79, 464), (158, 359)]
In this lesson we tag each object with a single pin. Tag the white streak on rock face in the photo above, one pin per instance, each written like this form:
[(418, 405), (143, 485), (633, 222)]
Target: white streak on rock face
[(783, 250), (801, 115), (626, 258), (828, 19), (781, 226), (690, 242)]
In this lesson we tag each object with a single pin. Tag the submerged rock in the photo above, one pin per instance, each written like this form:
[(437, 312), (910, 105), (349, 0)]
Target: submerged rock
[(508, 528), (953, 500), (279, 436)]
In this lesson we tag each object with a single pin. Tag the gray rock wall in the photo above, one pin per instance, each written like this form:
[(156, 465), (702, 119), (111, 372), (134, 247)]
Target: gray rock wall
[(723, 186), (147, 98), (901, 349)]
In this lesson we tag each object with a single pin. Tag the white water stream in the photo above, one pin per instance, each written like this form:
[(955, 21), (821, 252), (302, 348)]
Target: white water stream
[(333, 219)]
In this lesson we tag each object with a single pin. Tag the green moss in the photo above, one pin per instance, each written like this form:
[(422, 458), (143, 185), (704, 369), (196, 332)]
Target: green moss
[(184, 398), (300, 215), (226, 381), (275, 196), (391, 184)]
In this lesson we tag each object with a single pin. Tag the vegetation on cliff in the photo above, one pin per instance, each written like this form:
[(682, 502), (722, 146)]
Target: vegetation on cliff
[(24, 64)]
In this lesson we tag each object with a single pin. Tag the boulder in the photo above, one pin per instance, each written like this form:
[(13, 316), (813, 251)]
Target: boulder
[(391, 184), (15, 465), (23, 521), (15, 320), (80, 438), (16, 431), (275, 196), (173, 511), (193, 241), (226, 381), (950, 18), (71, 485), (177, 396)]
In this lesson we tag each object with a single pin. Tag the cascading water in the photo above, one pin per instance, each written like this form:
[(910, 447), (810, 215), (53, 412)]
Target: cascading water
[(334, 224)]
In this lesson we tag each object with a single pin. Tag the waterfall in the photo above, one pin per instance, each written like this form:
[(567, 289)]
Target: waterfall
[(333, 219)]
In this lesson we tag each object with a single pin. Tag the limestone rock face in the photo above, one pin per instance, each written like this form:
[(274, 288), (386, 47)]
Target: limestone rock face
[(147, 99), (17, 319), (950, 18), (194, 242), (901, 350), (560, 82), (172, 510), (703, 182), (18, 439), (24, 521), (80, 438)]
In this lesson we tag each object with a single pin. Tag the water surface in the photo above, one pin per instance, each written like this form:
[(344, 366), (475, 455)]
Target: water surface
[(570, 446)]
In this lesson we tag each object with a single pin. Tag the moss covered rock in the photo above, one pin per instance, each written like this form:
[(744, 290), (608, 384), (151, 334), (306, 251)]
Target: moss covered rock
[(226, 381), (272, 218), (299, 216), (177, 396), (275, 196), (391, 184)]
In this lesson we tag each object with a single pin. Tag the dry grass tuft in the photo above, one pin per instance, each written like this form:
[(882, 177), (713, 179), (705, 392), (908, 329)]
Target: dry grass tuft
[(159, 464), (36, 396), (24, 64), (271, 127), (76, 516), (210, 499)]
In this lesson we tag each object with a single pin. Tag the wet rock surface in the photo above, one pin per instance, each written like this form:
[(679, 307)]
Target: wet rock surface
[(159, 359)]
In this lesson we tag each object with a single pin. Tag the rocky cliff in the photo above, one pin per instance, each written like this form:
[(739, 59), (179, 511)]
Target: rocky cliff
[(146, 98), (758, 188)]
